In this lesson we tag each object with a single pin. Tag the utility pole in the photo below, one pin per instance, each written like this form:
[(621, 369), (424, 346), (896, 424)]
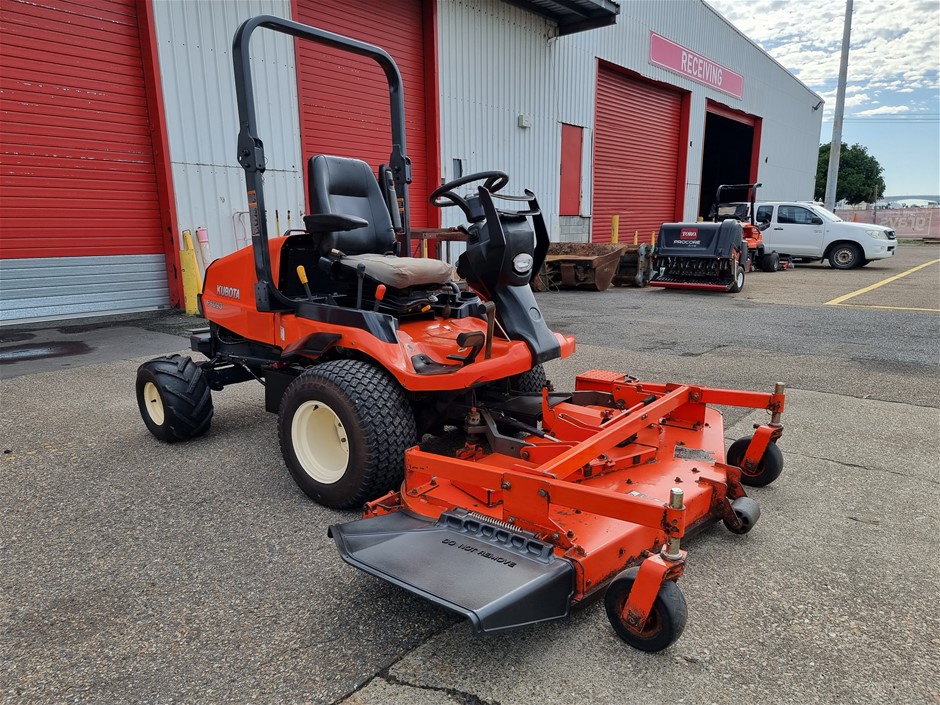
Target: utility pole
[(832, 177)]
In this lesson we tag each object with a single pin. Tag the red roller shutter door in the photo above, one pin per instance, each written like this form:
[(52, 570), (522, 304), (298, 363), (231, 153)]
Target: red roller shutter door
[(78, 172), (77, 175), (344, 107), (637, 144)]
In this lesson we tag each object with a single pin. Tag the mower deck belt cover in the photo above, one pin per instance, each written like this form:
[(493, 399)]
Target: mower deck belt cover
[(496, 577)]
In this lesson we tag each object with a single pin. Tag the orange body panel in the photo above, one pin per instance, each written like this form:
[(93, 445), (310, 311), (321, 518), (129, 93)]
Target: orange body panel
[(228, 299)]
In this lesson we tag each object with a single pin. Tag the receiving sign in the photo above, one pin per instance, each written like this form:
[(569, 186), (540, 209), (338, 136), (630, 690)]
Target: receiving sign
[(685, 62)]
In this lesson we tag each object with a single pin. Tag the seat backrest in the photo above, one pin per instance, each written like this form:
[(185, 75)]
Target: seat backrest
[(348, 187)]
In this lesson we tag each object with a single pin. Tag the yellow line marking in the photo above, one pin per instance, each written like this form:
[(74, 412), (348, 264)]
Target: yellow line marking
[(838, 300), (891, 308)]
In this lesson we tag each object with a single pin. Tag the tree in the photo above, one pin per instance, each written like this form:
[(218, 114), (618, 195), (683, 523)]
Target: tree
[(859, 174)]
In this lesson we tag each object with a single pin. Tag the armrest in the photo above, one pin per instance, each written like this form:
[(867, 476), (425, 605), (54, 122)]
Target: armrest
[(332, 222)]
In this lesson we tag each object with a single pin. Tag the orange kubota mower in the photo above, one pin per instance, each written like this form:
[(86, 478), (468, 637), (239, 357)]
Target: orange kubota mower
[(546, 499), (758, 256)]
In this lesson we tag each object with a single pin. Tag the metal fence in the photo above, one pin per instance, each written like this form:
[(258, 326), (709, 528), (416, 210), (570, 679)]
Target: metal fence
[(906, 222)]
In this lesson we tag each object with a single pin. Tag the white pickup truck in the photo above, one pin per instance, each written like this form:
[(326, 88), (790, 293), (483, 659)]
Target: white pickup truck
[(808, 231)]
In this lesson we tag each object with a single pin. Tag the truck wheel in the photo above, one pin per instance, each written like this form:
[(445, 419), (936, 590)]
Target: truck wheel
[(845, 256), (531, 382), (770, 262), (738, 282), (666, 621), (174, 398), (344, 427)]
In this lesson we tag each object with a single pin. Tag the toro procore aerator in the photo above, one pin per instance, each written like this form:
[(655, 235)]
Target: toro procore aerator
[(547, 498)]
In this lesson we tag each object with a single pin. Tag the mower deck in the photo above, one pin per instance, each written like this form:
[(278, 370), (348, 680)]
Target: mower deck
[(514, 538)]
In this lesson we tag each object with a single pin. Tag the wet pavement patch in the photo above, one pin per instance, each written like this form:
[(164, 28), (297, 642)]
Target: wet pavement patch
[(42, 351)]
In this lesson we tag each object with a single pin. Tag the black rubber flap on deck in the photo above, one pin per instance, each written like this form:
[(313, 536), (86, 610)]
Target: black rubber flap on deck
[(496, 577)]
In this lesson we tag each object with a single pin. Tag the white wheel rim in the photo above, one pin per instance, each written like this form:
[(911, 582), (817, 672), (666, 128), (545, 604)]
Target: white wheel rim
[(154, 403), (320, 442), (740, 280), (843, 256)]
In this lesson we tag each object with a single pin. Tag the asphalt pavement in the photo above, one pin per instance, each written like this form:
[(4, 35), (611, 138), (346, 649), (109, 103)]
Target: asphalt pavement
[(133, 571)]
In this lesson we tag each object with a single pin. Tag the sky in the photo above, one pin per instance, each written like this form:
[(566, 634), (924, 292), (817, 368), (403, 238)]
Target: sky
[(892, 99)]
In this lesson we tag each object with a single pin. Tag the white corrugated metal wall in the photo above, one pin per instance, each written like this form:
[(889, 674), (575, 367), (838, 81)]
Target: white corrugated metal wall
[(495, 64), (497, 61), (195, 48)]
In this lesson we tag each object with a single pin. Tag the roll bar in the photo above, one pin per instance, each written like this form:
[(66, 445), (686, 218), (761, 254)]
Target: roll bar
[(251, 149)]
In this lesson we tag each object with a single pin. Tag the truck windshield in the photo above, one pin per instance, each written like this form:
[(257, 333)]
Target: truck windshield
[(825, 215)]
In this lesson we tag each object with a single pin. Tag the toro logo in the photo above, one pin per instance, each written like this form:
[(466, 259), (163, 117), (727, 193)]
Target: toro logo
[(688, 235), (228, 291)]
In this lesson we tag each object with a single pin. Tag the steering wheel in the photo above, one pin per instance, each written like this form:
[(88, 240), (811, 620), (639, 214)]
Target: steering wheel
[(444, 196)]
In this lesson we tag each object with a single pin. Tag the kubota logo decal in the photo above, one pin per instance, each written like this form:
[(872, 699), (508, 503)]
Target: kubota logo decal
[(688, 235), (228, 291)]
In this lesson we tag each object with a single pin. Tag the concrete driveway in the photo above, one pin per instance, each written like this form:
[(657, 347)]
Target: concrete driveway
[(137, 572)]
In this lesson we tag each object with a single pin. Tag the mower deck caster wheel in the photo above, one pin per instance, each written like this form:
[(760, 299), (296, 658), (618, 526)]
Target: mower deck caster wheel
[(747, 511), (174, 398), (767, 470), (666, 621)]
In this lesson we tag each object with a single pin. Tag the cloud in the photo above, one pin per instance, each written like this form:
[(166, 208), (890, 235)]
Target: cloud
[(886, 110), (894, 45)]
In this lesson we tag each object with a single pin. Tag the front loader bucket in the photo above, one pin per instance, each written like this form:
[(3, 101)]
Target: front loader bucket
[(495, 576)]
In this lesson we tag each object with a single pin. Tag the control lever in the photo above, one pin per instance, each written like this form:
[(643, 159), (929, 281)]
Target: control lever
[(490, 309), (379, 295), (302, 275), (475, 340)]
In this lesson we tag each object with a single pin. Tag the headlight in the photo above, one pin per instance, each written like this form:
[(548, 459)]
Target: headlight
[(522, 263), (877, 234)]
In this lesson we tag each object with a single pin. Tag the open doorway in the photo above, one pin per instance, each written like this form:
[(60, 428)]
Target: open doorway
[(732, 144)]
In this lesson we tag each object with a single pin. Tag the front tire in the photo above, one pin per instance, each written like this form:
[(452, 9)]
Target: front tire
[(174, 398), (846, 256), (344, 427), (738, 283), (666, 621), (531, 382)]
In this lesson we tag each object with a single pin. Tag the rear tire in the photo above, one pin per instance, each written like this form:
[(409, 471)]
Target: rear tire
[(738, 282), (770, 262), (846, 256), (174, 398), (344, 427)]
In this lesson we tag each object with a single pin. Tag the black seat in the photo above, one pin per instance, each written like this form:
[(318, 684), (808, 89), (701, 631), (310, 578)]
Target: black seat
[(348, 187)]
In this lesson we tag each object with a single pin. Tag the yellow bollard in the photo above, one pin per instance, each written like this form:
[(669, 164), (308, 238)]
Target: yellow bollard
[(636, 237), (653, 238), (192, 281), (614, 229), (424, 248)]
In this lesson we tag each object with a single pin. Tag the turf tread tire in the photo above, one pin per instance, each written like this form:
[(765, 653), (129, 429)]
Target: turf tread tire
[(184, 391), (531, 382), (378, 419)]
